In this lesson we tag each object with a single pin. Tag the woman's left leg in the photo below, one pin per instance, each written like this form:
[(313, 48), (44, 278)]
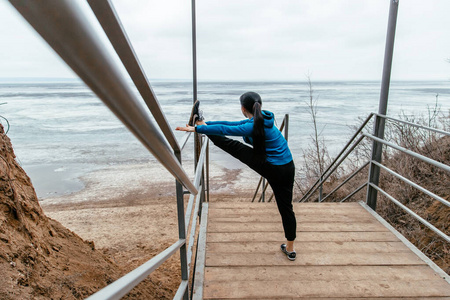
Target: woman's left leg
[(238, 150)]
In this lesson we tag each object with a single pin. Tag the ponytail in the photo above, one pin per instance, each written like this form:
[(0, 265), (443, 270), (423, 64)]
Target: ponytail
[(259, 143), (252, 102)]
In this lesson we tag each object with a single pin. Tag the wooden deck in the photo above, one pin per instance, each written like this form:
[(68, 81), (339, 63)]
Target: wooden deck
[(343, 251)]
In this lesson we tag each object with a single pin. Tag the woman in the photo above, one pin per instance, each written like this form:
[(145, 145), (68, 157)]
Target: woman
[(270, 156)]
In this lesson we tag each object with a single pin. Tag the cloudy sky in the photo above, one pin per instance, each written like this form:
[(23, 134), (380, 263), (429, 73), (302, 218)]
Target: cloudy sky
[(256, 40)]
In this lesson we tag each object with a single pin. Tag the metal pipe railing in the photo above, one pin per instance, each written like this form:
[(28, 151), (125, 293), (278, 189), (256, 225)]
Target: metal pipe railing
[(68, 32), (257, 188), (181, 292), (265, 186), (181, 228), (110, 22), (306, 196), (192, 200), (361, 127), (184, 139), (197, 290), (346, 180), (207, 171), (411, 153), (193, 231), (406, 180), (123, 285), (197, 177), (413, 214), (414, 125), (355, 191)]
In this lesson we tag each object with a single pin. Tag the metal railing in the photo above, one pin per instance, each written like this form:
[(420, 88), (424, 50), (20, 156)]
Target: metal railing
[(283, 127), (65, 28), (352, 144)]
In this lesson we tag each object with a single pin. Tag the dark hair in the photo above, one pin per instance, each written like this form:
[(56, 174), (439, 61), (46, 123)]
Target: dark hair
[(251, 101)]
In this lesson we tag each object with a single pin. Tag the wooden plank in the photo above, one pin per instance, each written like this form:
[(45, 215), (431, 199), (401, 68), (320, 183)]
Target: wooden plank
[(256, 217), (297, 289), (413, 248), (277, 227), (340, 298), (309, 247), (308, 259), (323, 273), (365, 298), (226, 204), (274, 211), (298, 210), (302, 236)]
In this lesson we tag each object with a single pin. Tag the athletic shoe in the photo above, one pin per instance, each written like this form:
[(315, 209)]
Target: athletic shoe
[(291, 255), (196, 114)]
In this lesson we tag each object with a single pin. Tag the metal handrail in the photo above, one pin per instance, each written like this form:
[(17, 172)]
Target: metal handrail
[(184, 139), (381, 166), (65, 28), (361, 127), (413, 214), (68, 32), (346, 180), (192, 233), (110, 22), (181, 290), (355, 191), (123, 285), (414, 125), (257, 188), (411, 153), (330, 172), (406, 180)]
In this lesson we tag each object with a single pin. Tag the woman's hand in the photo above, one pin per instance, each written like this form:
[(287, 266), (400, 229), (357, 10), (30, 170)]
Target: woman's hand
[(187, 128)]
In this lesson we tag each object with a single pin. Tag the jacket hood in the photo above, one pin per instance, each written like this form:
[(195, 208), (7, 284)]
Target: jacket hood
[(268, 118)]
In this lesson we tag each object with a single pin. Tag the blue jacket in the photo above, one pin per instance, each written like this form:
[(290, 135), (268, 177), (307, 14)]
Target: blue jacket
[(277, 150)]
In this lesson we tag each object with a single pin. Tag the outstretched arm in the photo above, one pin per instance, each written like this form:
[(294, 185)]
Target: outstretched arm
[(188, 128)]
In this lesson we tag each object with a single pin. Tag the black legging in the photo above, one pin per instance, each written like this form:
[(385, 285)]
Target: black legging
[(280, 178)]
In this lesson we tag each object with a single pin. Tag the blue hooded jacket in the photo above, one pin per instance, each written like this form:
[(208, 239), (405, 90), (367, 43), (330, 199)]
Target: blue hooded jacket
[(277, 150)]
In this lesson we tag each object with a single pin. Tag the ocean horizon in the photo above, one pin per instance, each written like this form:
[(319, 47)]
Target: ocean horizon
[(61, 131)]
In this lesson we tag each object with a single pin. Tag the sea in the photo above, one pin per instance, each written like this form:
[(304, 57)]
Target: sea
[(61, 131)]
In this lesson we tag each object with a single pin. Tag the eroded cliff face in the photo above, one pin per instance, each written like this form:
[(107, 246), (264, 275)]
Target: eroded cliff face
[(39, 258)]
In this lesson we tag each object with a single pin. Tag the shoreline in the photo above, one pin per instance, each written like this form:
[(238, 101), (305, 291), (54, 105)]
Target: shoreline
[(124, 206)]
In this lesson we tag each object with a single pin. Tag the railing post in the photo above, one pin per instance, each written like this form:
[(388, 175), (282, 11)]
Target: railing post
[(374, 173), (286, 126), (263, 189), (321, 188), (182, 231), (197, 145), (207, 171)]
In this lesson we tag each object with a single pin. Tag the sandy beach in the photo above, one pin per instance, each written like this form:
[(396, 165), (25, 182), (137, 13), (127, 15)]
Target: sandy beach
[(129, 212)]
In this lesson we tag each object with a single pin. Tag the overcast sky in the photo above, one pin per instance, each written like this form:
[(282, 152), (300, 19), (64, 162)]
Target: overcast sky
[(256, 40)]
